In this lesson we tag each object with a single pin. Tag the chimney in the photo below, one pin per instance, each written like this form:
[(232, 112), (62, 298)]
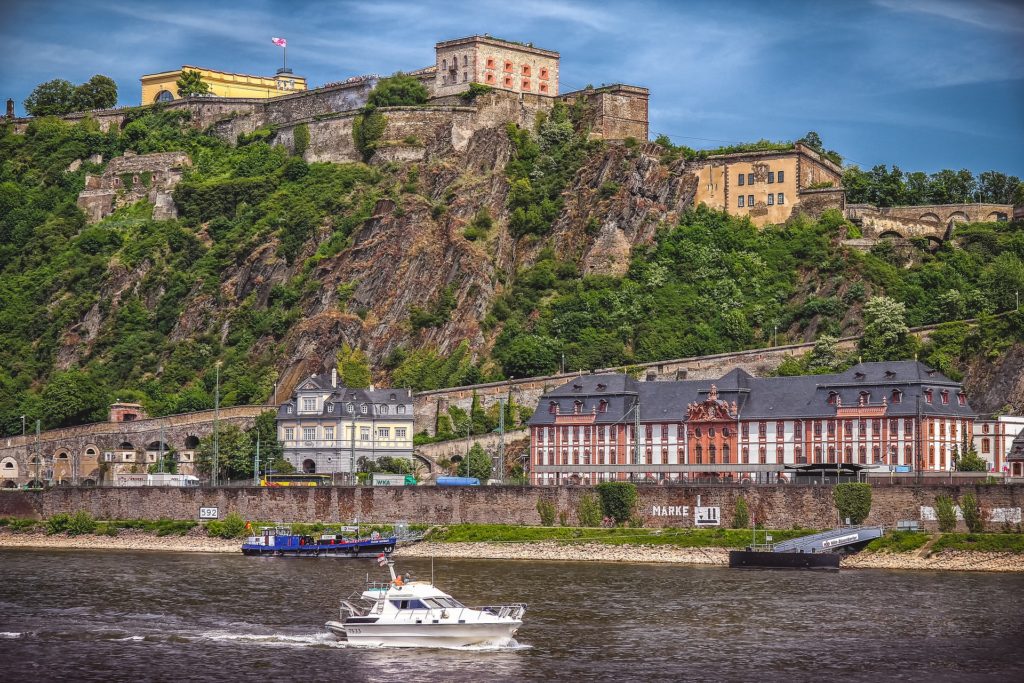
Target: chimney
[(10, 108), (334, 377)]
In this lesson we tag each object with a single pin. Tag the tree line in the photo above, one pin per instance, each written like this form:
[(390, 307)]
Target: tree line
[(891, 186)]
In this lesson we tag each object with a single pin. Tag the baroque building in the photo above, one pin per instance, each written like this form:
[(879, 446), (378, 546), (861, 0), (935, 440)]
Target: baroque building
[(326, 428), (162, 87), (607, 427)]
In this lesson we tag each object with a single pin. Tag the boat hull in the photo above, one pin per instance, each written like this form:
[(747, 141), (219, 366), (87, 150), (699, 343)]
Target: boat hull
[(752, 559), (340, 550), (425, 635)]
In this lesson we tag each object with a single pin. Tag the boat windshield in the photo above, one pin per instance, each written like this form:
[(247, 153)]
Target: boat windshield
[(408, 604), (448, 602)]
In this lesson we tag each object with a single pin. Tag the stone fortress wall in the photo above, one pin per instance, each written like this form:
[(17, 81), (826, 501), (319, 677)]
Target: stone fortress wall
[(776, 507), (933, 222), (131, 178)]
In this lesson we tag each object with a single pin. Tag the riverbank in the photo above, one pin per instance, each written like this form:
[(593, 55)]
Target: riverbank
[(198, 541)]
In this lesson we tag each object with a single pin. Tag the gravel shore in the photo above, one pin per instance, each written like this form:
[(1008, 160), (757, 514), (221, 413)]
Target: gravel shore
[(196, 541)]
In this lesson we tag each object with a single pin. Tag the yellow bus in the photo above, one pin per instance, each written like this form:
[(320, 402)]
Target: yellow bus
[(296, 480)]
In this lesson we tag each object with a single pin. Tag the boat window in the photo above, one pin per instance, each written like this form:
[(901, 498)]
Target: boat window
[(408, 604), (432, 604), (449, 602)]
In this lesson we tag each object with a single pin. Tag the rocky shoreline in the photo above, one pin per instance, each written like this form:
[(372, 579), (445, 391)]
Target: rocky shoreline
[(197, 541)]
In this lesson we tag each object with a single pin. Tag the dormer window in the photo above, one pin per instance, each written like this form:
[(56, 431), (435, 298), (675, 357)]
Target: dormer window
[(859, 375), (832, 398), (383, 410), (961, 398), (602, 407), (289, 410), (897, 396), (865, 397), (927, 395), (330, 407), (945, 397), (391, 398), (553, 407), (577, 406), (309, 405), (889, 374), (363, 408), (602, 387), (577, 387), (351, 408), (401, 410)]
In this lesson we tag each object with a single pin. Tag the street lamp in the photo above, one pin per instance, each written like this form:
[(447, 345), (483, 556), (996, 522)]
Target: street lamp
[(216, 430)]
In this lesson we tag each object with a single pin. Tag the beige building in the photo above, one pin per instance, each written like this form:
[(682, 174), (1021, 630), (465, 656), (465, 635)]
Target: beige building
[(498, 63), (767, 186), (327, 428), (161, 87)]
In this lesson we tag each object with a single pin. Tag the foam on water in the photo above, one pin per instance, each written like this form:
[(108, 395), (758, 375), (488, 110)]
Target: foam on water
[(10, 634)]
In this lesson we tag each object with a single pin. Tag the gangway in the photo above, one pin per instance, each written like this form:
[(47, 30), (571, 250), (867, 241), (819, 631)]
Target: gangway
[(829, 540)]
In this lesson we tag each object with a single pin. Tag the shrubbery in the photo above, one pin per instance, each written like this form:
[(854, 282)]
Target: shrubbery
[(232, 526), (547, 511), (741, 516), (618, 500), (945, 513), (588, 510), (853, 501)]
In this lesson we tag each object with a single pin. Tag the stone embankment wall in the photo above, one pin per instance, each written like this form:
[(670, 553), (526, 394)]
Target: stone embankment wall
[(933, 222), (778, 507)]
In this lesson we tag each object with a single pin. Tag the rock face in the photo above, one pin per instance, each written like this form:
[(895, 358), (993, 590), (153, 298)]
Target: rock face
[(993, 385), (131, 178)]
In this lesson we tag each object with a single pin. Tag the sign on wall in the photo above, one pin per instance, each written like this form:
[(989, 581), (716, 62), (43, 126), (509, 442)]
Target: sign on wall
[(208, 513), (670, 511), (707, 516)]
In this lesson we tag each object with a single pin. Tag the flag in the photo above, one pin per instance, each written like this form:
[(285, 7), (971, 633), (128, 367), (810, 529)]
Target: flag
[(382, 559), (280, 42), (248, 526)]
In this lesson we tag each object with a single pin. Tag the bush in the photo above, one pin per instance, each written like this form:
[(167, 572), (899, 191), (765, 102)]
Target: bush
[(741, 517), (945, 513), (853, 500), (546, 510), (475, 91), (232, 526), (58, 523), (588, 510), (81, 523), (563, 517), (972, 513), (22, 525), (301, 139), (618, 499), (367, 130), (398, 90)]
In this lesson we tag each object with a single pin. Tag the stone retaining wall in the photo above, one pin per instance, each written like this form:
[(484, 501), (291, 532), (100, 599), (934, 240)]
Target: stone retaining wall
[(779, 507)]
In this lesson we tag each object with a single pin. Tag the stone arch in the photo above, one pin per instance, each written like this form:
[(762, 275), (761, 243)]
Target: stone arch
[(10, 484), (62, 465), (34, 484), (931, 218), (191, 442), (126, 446), (88, 482), (890, 234), (308, 466), (934, 241), (164, 96), (996, 216), (958, 217), (425, 461), (9, 468)]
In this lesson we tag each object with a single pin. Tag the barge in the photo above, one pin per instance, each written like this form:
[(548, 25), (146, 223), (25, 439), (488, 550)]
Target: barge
[(279, 541)]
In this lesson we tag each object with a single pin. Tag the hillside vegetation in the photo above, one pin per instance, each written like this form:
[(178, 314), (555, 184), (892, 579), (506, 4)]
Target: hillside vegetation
[(441, 272)]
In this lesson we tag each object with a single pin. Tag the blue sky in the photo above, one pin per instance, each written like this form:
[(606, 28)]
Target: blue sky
[(924, 84)]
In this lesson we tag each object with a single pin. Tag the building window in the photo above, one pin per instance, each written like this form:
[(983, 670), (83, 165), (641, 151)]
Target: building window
[(762, 455), (781, 177), (927, 395), (876, 453), (383, 432), (862, 427), (817, 429), (543, 87), (739, 201), (508, 81), (897, 396), (489, 78), (863, 453), (746, 455), (289, 410), (876, 426), (831, 429), (831, 453), (908, 455), (848, 454), (490, 62), (742, 179), (832, 398), (961, 399), (364, 433), (771, 199), (700, 454), (750, 179), (798, 453), (712, 455), (664, 432), (543, 72), (762, 430), (771, 177), (383, 409), (908, 427), (308, 433), (986, 446), (798, 430), (465, 60), (945, 397), (401, 410), (289, 433), (329, 433), (778, 454), (526, 84), (602, 406), (444, 64), (725, 453), (465, 76), (848, 428), (330, 407), (508, 67), (362, 409), (750, 201), (745, 430), (781, 199), (780, 429), (309, 405), (526, 69), (894, 426), (865, 398)]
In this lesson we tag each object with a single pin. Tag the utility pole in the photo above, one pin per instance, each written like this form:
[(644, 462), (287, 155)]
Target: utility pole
[(636, 437), (256, 465), (160, 467), (501, 439), (39, 458), (216, 430)]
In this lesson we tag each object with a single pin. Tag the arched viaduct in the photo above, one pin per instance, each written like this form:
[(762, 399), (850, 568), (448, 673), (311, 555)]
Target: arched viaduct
[(932, 222), (87, 454)]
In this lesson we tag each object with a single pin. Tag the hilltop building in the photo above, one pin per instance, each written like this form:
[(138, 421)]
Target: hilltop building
[(605, 427), (502, 64), (161, 87), (327, 428)]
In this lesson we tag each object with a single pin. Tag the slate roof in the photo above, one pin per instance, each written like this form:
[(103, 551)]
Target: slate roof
[(1017, 448), (772, 398), (341, 396)]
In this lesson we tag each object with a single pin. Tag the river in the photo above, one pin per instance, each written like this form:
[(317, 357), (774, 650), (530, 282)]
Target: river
[(94, 615)]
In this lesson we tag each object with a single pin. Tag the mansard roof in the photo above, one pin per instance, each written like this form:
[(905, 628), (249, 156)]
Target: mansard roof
[(1017, 448), (342, 396), (769, 398)]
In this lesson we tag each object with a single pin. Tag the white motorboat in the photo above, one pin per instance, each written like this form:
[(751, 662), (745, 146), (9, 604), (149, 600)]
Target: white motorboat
[(402, 613)]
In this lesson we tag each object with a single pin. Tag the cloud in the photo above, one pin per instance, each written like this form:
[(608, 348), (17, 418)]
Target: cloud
[(992, 15), (583, 15)]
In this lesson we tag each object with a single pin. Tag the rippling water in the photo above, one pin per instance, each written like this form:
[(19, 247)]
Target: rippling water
[(78, 615)]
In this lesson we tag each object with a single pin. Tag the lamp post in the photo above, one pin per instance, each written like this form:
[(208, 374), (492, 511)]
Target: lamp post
[(216, 429), (256, 464)]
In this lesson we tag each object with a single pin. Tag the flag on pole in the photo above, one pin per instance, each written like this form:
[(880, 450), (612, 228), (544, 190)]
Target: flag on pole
[(382, 559), (280, 42)]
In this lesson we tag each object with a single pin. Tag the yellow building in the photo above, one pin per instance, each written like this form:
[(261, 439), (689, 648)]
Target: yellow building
[(162, 87)]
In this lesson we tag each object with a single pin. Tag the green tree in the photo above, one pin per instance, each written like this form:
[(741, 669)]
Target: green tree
[(853, 501), (824, 356), (476, 464), (972, 513), (1003, 280), (398, 90), (99, 92), (588, 510), (741, 516), (885, 329), (191, 83), (968, 460), (547, 511), (235, 451), (52, 98), (353, 367), (945, 513), (73, 397), (528, 356), (618, 499)]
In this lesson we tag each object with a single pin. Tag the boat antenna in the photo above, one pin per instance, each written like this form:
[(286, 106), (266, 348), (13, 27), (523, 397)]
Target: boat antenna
[(431, 569)]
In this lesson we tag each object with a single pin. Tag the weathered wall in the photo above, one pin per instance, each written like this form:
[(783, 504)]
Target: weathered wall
[(778, 507), (614, 112), (931, 221)]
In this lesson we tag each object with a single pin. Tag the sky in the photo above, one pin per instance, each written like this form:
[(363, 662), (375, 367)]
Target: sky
[(922, 84)]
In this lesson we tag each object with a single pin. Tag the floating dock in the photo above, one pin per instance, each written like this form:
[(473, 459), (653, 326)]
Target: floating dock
[(816, 551)]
